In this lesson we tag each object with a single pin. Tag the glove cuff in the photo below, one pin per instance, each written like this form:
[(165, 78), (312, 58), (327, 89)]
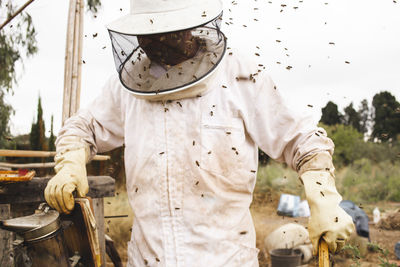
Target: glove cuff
[(71, 143), (321, 161), (69, 151)]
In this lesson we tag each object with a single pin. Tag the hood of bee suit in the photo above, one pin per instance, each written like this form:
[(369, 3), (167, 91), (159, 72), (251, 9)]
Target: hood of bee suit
[(153, 81), (160, 16)]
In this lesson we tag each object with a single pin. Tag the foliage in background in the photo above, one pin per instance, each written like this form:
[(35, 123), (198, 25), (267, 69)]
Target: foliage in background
[(17, 39), (93, 5), (382, 120), (52, 138), (37, 135), (386, 117), (5, 113), (352, 117), (330, 114), (366, 182), (348, 143)]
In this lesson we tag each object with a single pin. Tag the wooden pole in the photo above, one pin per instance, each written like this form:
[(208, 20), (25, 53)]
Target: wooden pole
[(73, 62), (323, 254), (39, 154), (15, 14), (72, 87)]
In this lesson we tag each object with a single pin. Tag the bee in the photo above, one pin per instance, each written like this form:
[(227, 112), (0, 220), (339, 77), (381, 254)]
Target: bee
[(179, 103), (316, 134), (274, 87), (257, 54), (228, 133), (194, 142), (94, 35), (331, 43), (322, 193), (197, 183), (318, 183), (83, 61), (177, 208), (157, 259), (151, 21), (336, 219), (136, 190), (197, 163), (289, 67), (243, 232), (209, 152), (211, 113), (253, 171), (234, 148), (347, 62), (309, 105), (167, 75), (161, 153), (166, 109)]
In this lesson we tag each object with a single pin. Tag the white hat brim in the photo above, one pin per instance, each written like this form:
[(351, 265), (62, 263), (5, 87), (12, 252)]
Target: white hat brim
[(175, 20)]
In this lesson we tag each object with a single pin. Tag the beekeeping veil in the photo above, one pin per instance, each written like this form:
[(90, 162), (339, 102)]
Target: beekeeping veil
[(147, 78)]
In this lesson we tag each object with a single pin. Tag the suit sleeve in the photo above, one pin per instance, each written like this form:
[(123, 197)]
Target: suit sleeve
[(101, 123), (283, 134)]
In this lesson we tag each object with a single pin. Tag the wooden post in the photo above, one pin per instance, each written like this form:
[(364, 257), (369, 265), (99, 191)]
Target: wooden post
[(98, 210), (72, 88), (6, 239), (73, 61)]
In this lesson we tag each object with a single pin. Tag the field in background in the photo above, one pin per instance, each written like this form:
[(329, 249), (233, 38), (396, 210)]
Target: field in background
[(368, 185)]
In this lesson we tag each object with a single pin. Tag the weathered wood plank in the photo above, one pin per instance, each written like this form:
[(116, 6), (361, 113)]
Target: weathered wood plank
[(32, 191), (6, 238), (98, 210)]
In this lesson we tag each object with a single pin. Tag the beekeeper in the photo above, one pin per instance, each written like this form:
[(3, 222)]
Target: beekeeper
[(191, 114)]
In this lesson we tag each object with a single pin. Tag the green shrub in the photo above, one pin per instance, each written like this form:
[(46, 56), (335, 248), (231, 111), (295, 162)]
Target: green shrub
[(365, 181)]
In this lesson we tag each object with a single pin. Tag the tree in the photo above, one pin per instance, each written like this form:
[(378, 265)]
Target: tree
[(5, 113), (37, 135), (386, 117), (330, 114), (349, 144), (52, 138), (364, 114), (351, 117), (17, 40)]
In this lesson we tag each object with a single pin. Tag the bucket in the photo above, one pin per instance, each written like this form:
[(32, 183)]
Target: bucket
[(285, 257)]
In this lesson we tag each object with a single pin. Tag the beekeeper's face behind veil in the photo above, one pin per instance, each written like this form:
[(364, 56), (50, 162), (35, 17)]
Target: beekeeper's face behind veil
[(169, 49), (166, 49)]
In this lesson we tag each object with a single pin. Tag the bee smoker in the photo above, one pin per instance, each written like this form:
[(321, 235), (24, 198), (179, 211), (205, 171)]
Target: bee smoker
[(43, 237)]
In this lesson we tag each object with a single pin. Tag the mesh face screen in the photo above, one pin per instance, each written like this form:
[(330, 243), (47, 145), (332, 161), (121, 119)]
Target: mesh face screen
[(173, 60)]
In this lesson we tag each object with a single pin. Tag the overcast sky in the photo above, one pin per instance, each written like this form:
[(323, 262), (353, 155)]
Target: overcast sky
[(366, 33)]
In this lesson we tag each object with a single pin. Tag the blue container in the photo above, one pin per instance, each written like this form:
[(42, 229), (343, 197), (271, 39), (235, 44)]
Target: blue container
[(397, 250)]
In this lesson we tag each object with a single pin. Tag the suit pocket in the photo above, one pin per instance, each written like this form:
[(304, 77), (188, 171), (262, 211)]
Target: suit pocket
[(221, 142)]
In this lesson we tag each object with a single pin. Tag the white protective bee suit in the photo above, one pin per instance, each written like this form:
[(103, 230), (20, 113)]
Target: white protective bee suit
[(191, 161)]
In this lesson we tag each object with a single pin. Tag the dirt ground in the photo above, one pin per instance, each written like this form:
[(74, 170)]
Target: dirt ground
[(265, 220)]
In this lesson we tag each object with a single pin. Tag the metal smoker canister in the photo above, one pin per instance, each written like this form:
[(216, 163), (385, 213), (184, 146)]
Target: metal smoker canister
[(43, 237)]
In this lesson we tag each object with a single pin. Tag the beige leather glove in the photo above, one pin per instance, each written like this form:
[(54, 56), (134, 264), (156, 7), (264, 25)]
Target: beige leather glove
[(328, 220), (71, 158)]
